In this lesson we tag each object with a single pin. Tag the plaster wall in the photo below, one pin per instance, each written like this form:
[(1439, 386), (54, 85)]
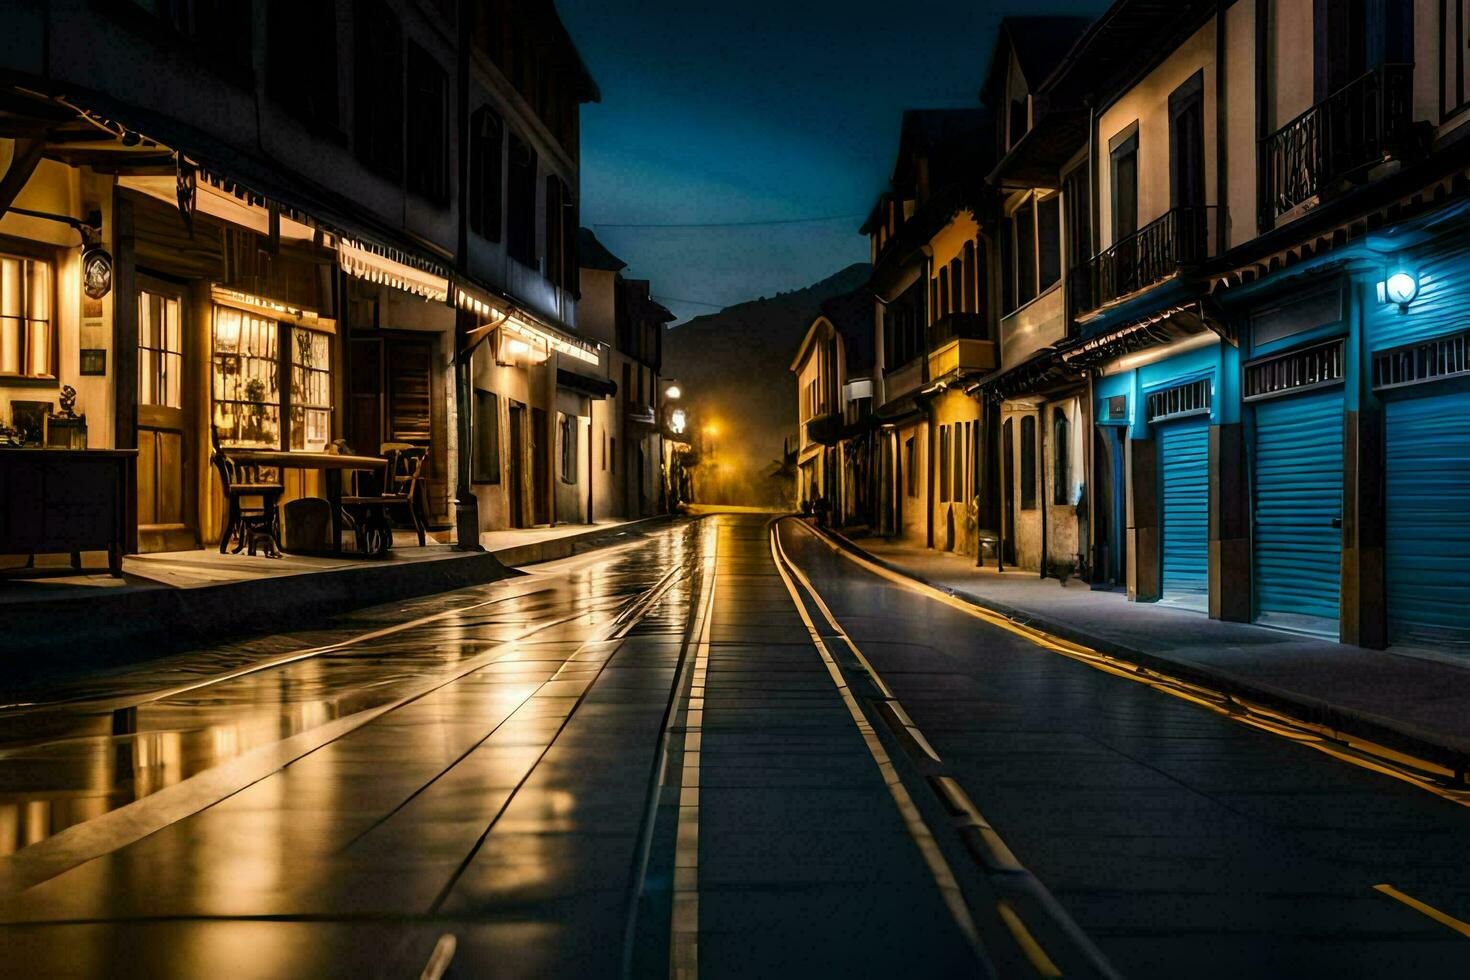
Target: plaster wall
[(1147, 104)]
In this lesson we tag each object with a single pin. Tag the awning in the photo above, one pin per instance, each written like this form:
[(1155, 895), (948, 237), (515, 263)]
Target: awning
[(1157, 329), (595, 387), (365, 262), (512, 321), (1040, 374)]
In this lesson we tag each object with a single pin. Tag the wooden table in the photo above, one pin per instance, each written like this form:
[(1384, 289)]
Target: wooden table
[(332, 465)]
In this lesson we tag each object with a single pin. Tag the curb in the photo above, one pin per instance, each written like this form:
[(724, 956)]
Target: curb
[(553, 549), (111, 630), (1445, 752)]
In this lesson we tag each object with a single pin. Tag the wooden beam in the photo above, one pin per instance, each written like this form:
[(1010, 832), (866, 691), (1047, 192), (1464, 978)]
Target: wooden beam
[(28, 153)]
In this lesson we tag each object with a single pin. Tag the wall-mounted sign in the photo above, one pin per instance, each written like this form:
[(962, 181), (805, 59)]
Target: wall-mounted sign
[(96, 271)]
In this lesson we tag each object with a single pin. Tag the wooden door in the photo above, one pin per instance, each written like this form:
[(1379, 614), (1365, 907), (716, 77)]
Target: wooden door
[(515, 487), (166, 473), (541, 443)]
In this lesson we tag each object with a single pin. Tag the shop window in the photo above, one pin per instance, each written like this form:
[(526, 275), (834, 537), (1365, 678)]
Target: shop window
[(1061, 460), (311, 389), (378, 88), (486, 460), (487, 179), (247, 394), (1028, 462), (160, 351), (568, 440), (27, 332), (521, 203), (428, 126), (301, 58), (249, 399)]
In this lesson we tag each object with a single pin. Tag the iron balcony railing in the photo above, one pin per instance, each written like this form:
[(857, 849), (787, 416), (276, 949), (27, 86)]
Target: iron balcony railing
[(1181, 238), (957, 326), (1359, 125)]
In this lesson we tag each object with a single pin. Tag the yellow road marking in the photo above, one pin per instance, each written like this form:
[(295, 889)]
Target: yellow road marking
[(684, 924), (1040, 962), (1463, 928), (923, 837), (1362, 753)]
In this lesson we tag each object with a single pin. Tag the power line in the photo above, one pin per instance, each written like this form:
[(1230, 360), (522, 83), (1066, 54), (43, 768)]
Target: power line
[(691, 302), (737, 224)]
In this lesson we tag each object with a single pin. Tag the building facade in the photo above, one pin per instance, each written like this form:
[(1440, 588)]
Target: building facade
[(330, 226), (1225, 272), (834, 379)]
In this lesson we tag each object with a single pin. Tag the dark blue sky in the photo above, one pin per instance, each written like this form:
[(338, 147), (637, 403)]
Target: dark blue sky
[(763, 110)]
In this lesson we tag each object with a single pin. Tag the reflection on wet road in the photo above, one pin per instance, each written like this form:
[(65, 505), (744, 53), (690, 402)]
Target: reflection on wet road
[(116, 741), (708, 752)]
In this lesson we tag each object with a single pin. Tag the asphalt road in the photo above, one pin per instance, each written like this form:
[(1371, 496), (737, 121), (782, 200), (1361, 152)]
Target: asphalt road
[(712, 752)]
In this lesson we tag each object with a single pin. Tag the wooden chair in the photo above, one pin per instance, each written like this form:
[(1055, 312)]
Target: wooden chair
[(369, 513), (254, 503)]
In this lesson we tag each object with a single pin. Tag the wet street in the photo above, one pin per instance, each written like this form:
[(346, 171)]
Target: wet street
[(721, 750)]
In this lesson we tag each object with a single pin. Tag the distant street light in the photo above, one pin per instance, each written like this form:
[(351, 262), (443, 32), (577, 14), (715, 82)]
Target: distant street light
[(672, 392)]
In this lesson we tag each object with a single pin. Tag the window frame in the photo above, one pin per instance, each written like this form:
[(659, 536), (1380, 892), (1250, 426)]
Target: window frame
[(487, 174), (1061, 439), (1027, 475), (1122, 146), (31, 252), (486, 472), (568, 443), (285, 367), (426, 104)]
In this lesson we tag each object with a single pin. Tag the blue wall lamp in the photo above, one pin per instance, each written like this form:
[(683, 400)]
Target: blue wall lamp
[(1399, 288)]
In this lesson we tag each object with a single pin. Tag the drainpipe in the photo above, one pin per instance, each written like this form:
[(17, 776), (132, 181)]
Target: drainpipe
[(1044, 503), (1089, 547), (1222, 137), (466, 506)]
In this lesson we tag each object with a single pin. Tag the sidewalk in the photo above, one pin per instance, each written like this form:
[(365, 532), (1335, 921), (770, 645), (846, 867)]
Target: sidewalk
[(529, 546), (1404, 701)]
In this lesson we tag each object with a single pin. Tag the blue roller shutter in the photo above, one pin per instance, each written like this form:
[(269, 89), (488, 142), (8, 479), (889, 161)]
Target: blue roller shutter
[(1428, 483), (1184, 451), (1298, 491)]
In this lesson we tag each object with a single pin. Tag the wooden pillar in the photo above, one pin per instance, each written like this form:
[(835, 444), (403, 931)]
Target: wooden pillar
[(1364, 514), (1143, 520), (125, 352), (1230, 525)]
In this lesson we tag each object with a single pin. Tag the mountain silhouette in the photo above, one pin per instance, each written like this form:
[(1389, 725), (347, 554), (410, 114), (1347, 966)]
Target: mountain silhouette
[(734, 369)]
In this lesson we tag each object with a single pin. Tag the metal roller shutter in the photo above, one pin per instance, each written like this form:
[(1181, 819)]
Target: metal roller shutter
[(1428, 482), (1184, 449), (1298, 491)]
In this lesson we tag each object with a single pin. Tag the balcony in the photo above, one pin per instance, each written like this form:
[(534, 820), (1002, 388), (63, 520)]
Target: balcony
[(824, 429), (957, 326), (1354, 128), (1180, 239)]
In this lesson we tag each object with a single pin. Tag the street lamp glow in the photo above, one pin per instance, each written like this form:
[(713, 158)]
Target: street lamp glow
[(672, 392), (1401, 288)]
